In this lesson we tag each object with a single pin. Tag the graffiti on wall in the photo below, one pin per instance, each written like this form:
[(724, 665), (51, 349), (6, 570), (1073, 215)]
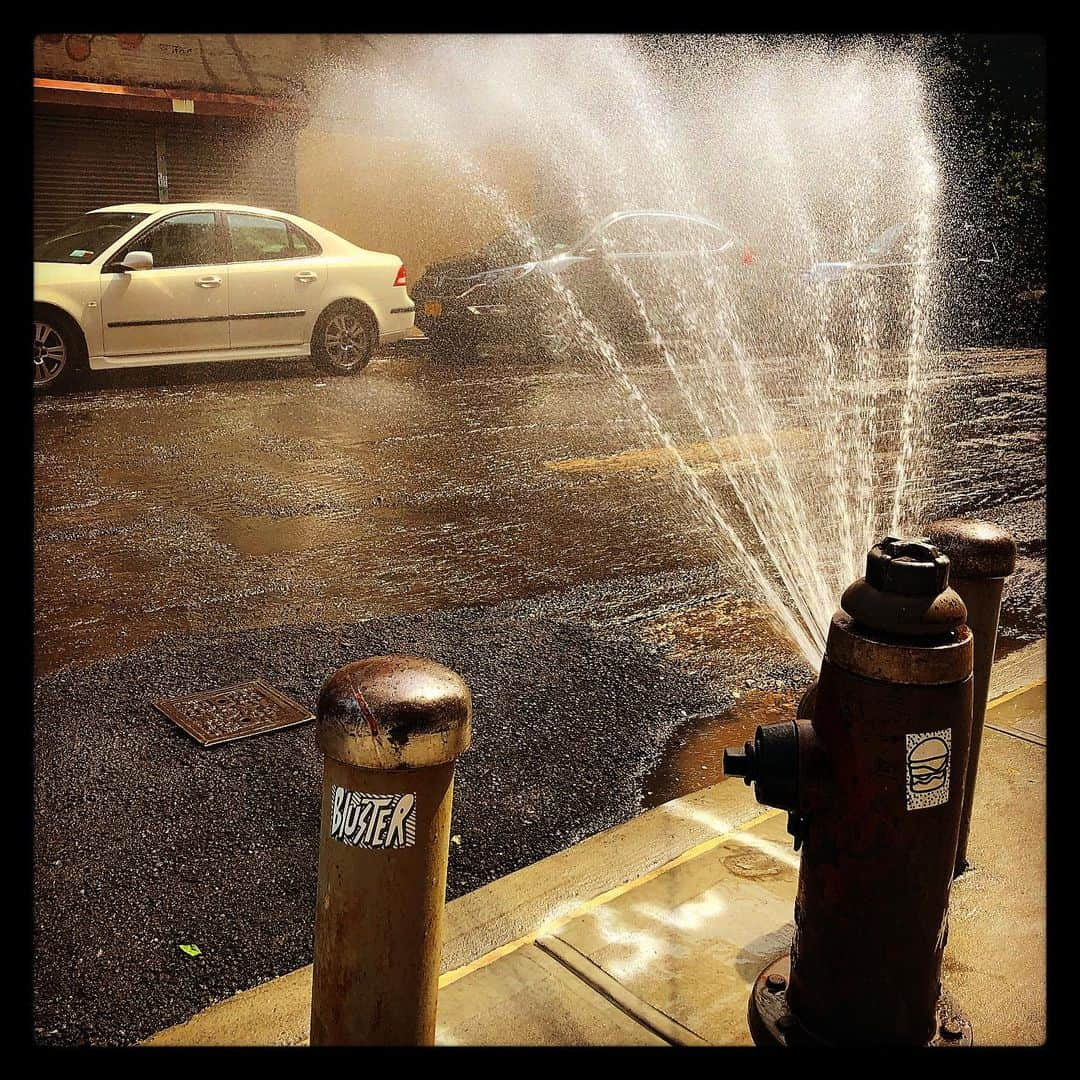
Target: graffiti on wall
[(80, 47), (246, 63)]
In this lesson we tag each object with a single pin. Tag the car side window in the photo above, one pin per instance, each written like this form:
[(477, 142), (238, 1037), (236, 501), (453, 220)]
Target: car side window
[(303, 246), (184, 240), (255, 239)]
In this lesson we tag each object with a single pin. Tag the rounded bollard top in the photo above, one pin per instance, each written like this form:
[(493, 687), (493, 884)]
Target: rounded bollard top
[(976, 549), (394, 712)]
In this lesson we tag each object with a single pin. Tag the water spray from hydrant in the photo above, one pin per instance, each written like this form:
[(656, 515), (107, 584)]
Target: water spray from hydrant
[(806, 389)]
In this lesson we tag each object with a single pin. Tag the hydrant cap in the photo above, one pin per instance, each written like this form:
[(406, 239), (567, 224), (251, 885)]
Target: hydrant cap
[(910, 567), (905, 591), (976, 549), (394, 712)]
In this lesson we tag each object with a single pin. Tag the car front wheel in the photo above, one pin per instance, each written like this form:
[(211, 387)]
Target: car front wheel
[(344, 339), (56, 352)]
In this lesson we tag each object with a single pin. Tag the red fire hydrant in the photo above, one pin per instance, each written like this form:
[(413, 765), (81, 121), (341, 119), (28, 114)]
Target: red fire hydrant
[(872, 773)]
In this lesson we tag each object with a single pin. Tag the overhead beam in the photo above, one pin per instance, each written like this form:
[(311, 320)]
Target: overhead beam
[(157, 100)]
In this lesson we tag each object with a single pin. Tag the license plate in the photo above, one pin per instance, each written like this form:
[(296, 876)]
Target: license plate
[(432, 307)]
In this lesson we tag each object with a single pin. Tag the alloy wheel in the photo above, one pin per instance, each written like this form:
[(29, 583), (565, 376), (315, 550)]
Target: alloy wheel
[(346, 340), (50, 353)]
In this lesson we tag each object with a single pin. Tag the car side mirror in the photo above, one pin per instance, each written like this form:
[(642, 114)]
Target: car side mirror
[(138, 260)]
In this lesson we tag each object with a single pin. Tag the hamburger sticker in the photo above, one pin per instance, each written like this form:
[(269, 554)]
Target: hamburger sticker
[(928, 756)]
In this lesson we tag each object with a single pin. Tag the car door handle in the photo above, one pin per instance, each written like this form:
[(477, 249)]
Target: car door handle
[(212, 281), (305, 277)]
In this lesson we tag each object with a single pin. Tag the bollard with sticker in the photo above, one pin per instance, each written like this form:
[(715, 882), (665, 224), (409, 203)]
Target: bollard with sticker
[(391, 729)]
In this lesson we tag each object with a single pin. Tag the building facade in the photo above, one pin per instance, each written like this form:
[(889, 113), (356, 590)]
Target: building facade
[(237, 118)]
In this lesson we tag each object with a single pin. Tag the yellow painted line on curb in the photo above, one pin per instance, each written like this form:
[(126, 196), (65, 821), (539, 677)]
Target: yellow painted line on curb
[(1015, 693), (550, 925)]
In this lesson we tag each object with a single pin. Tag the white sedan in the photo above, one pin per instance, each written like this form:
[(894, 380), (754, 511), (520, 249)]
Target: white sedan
[(183, 283)]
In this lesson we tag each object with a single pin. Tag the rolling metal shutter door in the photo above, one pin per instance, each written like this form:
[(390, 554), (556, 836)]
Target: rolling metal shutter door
[(225, 161), (82, 163)]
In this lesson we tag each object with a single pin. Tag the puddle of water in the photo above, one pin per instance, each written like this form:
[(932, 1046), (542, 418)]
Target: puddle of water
[(268, 535), (731, 641), (694, 759)]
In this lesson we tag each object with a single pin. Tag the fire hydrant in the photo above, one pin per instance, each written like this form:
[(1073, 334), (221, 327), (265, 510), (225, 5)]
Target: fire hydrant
[(873, 779)]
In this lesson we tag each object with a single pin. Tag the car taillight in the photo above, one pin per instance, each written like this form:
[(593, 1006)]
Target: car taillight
[(400, 279)]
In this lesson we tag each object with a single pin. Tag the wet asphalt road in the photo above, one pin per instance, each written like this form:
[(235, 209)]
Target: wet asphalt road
[(197, 527)]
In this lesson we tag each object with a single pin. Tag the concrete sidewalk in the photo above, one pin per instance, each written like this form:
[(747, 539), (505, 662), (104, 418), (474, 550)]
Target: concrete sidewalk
[(652, 932)]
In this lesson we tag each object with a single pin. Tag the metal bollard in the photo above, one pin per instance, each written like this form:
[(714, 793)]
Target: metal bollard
[(981, 556), (391, 728)]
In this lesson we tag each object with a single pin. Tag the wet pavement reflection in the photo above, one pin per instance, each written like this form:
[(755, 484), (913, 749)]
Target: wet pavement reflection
[(182, 500)]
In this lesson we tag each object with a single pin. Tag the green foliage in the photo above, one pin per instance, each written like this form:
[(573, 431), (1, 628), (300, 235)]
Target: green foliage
[(990, 91)]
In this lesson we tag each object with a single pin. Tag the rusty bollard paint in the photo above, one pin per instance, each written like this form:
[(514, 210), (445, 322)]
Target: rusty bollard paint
[(391, 728), (981, 556)]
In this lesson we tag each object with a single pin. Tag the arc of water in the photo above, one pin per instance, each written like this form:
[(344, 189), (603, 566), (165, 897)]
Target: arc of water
[(685, 475), (758, 499), (782, 515), (828, 404), (911, 421)]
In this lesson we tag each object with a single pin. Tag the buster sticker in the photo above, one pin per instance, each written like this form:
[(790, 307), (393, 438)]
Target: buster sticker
[(372, 821), (928, 757)]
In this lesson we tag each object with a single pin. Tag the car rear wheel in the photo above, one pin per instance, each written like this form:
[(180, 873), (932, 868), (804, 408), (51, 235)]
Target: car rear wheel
[(57, 352), (344, 338)]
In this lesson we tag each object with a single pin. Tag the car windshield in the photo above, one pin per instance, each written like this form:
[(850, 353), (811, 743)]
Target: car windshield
[(83, 240), (552, 231)]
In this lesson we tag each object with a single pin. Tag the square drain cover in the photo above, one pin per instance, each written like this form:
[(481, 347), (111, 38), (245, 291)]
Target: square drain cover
[(234, 712)]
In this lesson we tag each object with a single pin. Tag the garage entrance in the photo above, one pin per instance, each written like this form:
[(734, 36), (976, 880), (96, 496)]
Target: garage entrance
[(84, 161)]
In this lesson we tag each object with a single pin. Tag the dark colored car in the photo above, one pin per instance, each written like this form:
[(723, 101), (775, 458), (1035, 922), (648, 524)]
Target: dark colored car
[(504, 296)]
